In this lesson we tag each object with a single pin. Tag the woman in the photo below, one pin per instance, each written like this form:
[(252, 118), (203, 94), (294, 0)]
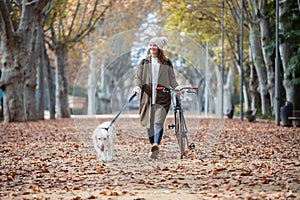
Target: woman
[(154, 71)]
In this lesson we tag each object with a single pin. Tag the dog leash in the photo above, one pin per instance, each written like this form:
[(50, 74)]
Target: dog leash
[(115, 118)]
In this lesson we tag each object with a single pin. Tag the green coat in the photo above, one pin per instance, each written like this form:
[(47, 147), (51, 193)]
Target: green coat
[(143, 79)]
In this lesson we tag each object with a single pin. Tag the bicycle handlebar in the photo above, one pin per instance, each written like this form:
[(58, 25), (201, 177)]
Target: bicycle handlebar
[(166, 89)]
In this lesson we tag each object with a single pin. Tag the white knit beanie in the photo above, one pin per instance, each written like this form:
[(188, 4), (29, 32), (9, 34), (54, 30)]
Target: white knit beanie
[(159, 41)]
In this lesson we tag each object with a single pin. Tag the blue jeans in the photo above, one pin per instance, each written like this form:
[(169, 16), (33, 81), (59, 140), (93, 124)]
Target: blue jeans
[(157, 135)]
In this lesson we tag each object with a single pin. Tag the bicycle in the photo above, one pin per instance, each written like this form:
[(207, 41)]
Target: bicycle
[(179, 121)]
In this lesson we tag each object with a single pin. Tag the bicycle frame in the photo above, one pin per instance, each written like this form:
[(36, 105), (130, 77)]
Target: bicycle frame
[(179, 121), (180, 125)]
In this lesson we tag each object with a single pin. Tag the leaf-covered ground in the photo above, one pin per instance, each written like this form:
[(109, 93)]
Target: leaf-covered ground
[(54, 159)]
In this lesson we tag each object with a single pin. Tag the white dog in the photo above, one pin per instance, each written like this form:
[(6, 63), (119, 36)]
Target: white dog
[(103, 139)]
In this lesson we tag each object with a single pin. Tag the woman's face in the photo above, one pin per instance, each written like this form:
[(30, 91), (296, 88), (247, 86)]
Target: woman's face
[(153, 49)]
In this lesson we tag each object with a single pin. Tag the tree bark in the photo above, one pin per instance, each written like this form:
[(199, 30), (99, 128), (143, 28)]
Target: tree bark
[(268, 60), (92, 84), (237, 62), (253, 85), (229, 89), (62, 90), (286, 52), (12, 77), (28, 60), (218, 95), (246, 95), (12, 84), (104, 94), (259, 67), (39, 50), (18, 79), (50, 85)]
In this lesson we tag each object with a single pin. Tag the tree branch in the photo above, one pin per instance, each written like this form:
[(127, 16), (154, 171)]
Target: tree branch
[(74, 17), (83, 18), (31, 2), (81, 32), (53, 34), (6, 22), (41, 5), (233, 9), (50, 45), (12, 12), (61, 22), (251, 16), (91, 24)]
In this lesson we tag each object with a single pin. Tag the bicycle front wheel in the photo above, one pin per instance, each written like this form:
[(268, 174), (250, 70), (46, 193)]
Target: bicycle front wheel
[(181, 134)]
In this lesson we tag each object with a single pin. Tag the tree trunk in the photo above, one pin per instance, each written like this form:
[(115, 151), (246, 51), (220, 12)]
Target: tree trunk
[(268, 60), (229, 89), (246, 93), (50, 85), (253, 85), (285, 54), (92, 84), (237, 62), (40, 68), (12, 84), (259, 67), (62, 88), (30, 74), (104, 94), (30, 97), (245, 89), (212, 89), (218, 95), (18, 79), (28, 35)]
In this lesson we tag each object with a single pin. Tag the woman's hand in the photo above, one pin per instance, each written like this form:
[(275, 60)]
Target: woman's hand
[(136, 90), (179, 90)]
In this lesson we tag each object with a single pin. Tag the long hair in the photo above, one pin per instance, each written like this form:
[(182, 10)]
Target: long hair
[(162, 59)]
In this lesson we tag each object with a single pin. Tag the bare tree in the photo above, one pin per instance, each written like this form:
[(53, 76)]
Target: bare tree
[(68, 28)]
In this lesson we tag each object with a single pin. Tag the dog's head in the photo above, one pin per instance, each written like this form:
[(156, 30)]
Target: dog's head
[(101, 137)]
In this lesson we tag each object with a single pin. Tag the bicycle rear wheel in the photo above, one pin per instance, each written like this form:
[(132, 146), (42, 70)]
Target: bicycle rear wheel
[(181, 133)]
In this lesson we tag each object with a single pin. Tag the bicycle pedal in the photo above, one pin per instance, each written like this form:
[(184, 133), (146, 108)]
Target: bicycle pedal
[(171, 126), (192, 146)]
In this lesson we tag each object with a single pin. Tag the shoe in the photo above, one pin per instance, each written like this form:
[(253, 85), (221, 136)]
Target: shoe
[(154, 151)]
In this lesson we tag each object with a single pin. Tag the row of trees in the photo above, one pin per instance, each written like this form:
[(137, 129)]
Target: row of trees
[(202, 20), (31, 31)]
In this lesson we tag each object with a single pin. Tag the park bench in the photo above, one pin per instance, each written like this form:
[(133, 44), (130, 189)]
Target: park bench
[(250, 115), (296, 118), (77, 105)]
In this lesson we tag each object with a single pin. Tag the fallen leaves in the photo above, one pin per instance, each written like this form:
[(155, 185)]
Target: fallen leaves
[(109, 192), (52, 159)]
